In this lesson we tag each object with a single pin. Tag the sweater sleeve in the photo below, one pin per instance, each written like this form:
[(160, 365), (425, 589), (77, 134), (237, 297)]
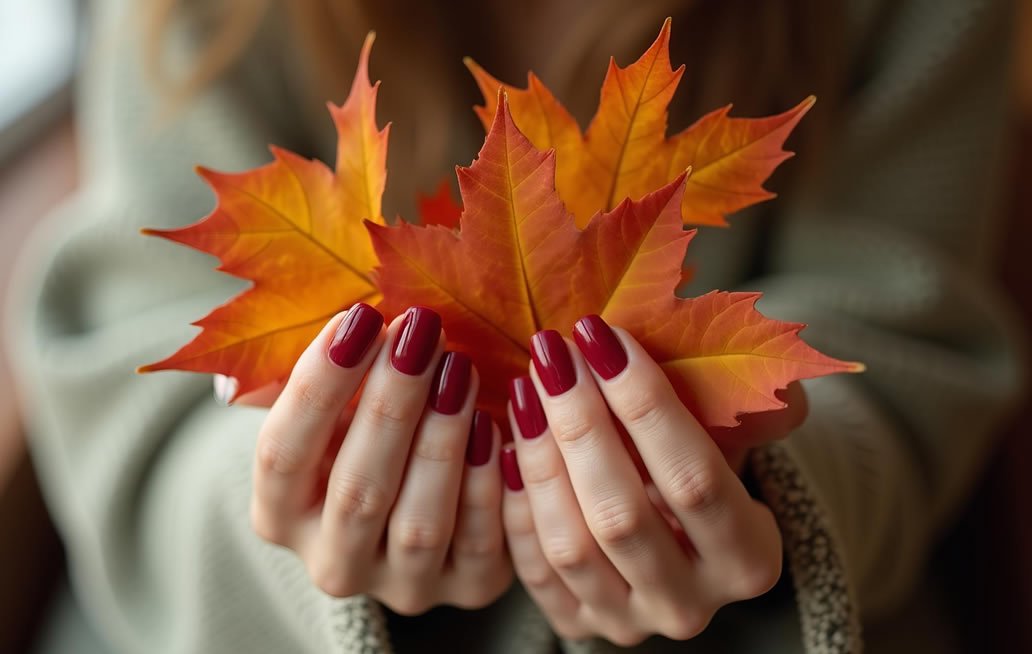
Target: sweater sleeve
[(147, 479), (888, 258)]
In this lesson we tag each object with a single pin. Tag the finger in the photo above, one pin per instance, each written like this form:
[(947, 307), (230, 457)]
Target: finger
[(422, 521), (700, 488), (366, 474), (612, 498), (298, 428), (481, 568), (568, 543), (536, 574)]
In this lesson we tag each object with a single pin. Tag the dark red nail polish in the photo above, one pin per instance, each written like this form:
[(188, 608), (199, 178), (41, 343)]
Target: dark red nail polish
[(526, 407), (552, 361), (481, 439), (451, 383), (416, 341), (356, 333), (511, 469), (600, 346)]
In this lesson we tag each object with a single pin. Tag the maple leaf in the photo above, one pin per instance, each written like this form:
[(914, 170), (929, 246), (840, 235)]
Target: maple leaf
[(519, 263), (294, 227), (625, 152), (439, 208)]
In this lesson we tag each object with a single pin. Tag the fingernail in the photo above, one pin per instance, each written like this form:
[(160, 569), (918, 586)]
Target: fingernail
[(451, 383), (416, 341), (511, 469), (225, 388), (481, 438), (552, 361), (526, 407), (600, 346), (356, 333)]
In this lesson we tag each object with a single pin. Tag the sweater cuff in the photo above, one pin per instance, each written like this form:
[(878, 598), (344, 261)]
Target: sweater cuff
[(827, 607)]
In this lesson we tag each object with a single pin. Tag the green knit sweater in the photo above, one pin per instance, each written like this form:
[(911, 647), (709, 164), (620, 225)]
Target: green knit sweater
[(887, 253)]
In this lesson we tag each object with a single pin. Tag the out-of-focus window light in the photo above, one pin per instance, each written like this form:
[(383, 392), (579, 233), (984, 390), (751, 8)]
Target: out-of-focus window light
[(38, 47)]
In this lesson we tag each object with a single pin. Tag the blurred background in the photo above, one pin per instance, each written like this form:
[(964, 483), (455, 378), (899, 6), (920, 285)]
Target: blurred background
[(40, 46)]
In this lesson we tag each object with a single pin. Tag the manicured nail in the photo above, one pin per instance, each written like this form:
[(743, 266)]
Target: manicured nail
[(526, 407), (451, 383), (600, 346), (481, 439), (552, 361), (511, 469), (416, 341), (355, 335)]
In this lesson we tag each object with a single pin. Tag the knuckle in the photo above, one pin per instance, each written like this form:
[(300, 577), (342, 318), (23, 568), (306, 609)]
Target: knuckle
[(275, 455), (387, 413), (616, 523), (313, 394), (755, 579), (694, 487), (685, 624), (567, 555), (541, 474), (643, 410), (439, 450), (356, 496), (419, 536), (574, 430)]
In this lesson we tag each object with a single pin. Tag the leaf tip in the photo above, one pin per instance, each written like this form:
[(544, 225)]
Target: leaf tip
[(157, 366), (796, 113), (367, 45), (664, 31)]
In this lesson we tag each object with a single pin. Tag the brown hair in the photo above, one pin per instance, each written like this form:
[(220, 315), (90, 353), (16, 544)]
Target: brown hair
[(764, 57)]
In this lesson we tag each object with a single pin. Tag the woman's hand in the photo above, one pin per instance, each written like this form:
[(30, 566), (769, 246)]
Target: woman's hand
[(591, 541), (402, 499)]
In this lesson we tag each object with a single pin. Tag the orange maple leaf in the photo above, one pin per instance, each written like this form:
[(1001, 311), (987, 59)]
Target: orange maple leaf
[(625, 152), (295, 228), (522, 261), (439, 208), (519, 263)]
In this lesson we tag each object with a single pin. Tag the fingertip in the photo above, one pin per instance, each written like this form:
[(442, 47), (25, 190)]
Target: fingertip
[(553, 362), (511, 469), (419, 338), (353, 334), (598, 343), (451, 389), (480, 445)]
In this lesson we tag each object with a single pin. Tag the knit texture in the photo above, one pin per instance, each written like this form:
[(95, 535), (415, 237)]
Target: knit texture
[(884, 253)]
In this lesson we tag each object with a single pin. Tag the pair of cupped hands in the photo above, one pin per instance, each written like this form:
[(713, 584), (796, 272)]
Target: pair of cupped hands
[(409, 495)]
